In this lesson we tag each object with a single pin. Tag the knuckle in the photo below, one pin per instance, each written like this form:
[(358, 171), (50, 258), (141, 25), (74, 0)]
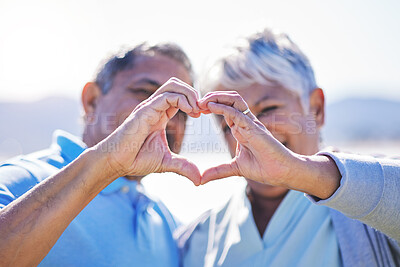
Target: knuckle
[(237, 114), (169, 84), (238, 97), (193, 95), (166, 94), (174, 79)]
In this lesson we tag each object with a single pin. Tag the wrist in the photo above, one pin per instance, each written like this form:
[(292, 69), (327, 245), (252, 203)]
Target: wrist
[(99, 161), (315, 175)]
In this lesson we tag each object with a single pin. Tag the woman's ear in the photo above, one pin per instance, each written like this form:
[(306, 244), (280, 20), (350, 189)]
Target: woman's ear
[(317, 106), (90, 95)]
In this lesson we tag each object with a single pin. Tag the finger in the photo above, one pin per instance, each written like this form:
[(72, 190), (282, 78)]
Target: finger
[(167, 100), (230, 98), (219, 172), (194, 115), (232, 115), (206, 111), (174, 85), (186, 84), (182, 166), (177, 80)]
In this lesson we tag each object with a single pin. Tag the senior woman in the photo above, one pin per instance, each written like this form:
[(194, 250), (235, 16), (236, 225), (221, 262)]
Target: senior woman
[(272, 111)]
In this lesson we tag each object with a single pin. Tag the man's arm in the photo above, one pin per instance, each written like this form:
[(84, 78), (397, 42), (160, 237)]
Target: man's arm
[(31, 224)]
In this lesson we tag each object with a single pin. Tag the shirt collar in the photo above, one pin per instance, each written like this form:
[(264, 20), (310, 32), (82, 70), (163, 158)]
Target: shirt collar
[(72, 146)]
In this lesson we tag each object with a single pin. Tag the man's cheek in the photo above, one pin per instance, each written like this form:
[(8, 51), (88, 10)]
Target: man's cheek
[(108, 123), (122, 117)]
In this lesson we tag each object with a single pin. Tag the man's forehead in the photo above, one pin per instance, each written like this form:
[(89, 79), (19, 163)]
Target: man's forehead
[(154, 70), (158, 62), (143, 78)]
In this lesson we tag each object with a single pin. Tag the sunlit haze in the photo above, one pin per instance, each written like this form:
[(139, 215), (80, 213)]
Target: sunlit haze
[(53, 47)]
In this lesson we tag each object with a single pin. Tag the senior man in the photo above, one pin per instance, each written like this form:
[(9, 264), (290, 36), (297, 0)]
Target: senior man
[(273, 111), (79, 203)]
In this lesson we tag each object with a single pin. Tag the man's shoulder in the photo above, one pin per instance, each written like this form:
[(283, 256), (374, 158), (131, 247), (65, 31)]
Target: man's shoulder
[(37, 164), (21, 173)]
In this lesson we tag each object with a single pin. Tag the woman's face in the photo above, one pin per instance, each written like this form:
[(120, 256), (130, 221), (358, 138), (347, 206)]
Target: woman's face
[(281, 111)]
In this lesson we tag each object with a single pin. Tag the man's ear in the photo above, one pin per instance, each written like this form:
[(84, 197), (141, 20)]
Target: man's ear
[(90, 94), (317, 106)]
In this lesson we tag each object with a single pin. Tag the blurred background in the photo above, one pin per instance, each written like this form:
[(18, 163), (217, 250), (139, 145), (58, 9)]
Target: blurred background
[(50, 49)]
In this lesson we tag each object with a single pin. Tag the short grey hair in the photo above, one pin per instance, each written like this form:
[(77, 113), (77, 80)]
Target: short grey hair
[(266, 57), (126, 60)]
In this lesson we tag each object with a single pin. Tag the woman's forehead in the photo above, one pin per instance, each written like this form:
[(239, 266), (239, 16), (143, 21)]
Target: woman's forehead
[(256, 92)]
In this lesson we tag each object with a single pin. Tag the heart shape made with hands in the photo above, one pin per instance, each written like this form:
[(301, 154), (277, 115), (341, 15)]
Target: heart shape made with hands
[(155, 154), (146, 128), (228, 104)]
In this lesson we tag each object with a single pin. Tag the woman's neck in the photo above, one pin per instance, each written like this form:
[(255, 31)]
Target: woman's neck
[(263, 208)]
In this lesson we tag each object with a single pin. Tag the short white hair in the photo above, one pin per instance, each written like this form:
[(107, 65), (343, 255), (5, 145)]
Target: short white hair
[(269, 58)]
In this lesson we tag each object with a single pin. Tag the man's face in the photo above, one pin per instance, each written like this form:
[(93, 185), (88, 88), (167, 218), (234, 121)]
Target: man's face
[(131, 87)]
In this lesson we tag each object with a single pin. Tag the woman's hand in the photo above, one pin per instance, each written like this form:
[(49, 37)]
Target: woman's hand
[(261, 157)]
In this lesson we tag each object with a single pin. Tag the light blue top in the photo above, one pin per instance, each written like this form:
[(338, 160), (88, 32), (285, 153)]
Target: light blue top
[(121, 226), (299, 234), (364, 211)]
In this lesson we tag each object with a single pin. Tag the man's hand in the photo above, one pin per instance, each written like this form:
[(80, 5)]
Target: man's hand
[(262, 158), (139, 146)]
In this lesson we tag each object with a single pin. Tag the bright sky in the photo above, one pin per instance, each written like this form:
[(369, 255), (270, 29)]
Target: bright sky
[(54, 47)]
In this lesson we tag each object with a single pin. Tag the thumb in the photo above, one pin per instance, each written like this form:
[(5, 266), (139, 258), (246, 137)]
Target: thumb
[(182, 166), (219, 172)]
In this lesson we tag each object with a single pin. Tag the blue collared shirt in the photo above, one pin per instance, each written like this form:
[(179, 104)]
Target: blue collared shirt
[(121, 226)]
